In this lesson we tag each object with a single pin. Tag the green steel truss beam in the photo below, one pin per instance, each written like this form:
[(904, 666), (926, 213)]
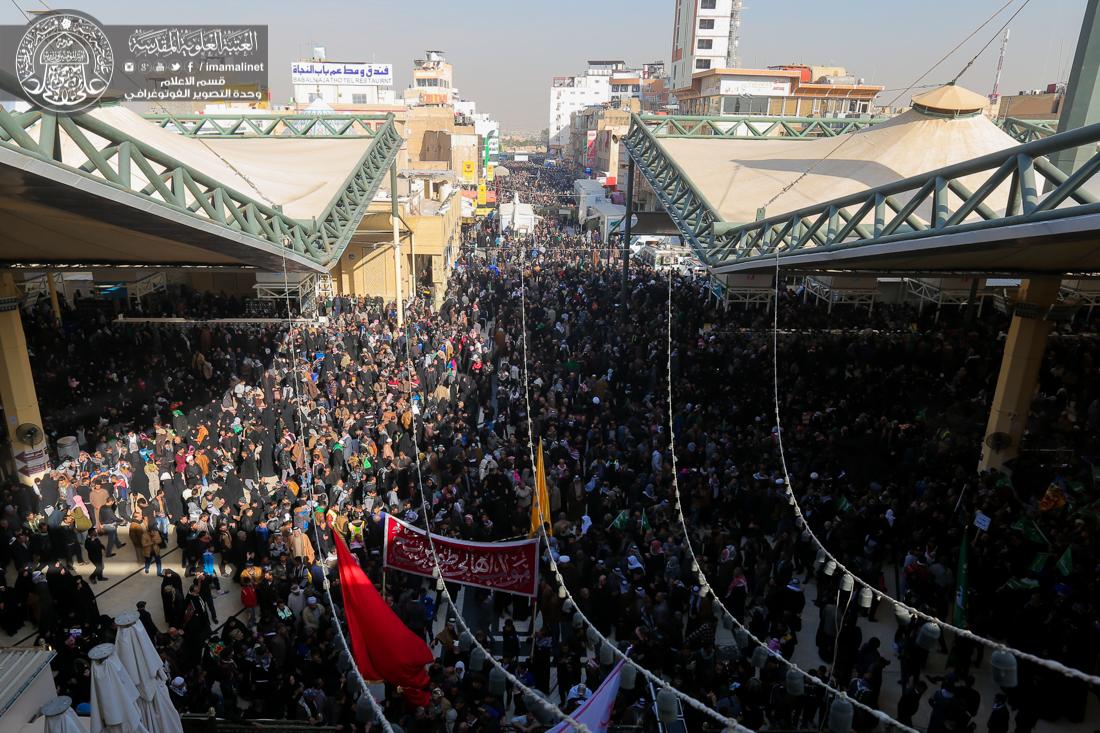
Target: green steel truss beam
[(753, 127), (111, 156), (933, 203), (271, 125), (1027, 131), (689, 210)]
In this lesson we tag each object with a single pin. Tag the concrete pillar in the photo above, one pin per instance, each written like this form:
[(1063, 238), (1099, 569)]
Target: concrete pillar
[(1019, 375), (24, 421)]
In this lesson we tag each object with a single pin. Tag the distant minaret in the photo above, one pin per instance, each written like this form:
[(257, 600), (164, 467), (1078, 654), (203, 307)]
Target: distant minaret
[(733, 52)]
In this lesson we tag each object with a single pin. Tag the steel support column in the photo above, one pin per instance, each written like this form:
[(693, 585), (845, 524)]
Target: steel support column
[(1082, 103), (1019, 375)]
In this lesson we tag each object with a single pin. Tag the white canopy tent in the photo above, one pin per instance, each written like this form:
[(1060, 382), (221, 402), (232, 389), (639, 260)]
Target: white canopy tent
[(517, 216), (60, 717), (135, 652), (114, 696)]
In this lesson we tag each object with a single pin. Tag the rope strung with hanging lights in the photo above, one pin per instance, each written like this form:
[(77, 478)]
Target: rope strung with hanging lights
[(364, 689), (532, 698), (596, 638), (1003, 659), (795, 674)]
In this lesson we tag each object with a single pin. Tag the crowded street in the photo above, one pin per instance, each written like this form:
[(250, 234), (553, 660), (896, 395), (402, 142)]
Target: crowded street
[(205, 452)]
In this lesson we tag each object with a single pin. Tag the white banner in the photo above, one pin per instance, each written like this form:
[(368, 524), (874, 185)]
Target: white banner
[(330, 72)]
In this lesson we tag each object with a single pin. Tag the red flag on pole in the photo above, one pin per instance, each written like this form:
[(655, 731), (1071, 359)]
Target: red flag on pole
[(383, 646)]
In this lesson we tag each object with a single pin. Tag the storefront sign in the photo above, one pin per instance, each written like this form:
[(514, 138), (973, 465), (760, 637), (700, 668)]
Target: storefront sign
[(328, 72)]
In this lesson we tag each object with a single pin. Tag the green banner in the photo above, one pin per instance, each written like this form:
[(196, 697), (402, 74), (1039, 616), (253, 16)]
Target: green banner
[(1031, 531), (1065, 562), (1040, 562)]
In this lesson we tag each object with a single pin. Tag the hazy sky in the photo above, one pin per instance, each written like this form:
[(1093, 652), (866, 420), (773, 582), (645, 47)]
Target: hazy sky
[(506, 51)]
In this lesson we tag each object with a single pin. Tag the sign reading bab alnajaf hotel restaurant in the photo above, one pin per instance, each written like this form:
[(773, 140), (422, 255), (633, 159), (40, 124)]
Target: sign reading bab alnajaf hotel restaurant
[(334, 72)]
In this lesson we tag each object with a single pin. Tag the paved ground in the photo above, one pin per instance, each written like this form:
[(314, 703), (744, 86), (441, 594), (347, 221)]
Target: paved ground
[(128, 584)]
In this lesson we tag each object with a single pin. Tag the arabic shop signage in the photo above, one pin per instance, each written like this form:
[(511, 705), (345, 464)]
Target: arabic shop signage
[(66, 61), (332, 72)]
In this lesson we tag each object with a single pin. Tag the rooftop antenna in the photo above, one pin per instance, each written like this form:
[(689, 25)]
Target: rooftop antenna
[(733, 47), (996, 93)]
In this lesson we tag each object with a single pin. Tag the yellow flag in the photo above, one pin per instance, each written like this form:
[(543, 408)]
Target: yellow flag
[(540, 504)]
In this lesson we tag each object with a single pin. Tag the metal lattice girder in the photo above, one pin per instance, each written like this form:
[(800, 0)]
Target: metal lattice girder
[(889, 213), (271, 125), (1027, 131), (753, 127), (687, 208), (125, 162)]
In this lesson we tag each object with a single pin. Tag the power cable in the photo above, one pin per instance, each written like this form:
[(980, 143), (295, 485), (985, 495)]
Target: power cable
[(729, 723), (1050, 664), (441, 585), (705, 585), (990, 41), (912, 84)]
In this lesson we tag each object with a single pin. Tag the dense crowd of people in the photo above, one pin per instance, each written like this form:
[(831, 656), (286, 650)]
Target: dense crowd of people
[(220, 441)]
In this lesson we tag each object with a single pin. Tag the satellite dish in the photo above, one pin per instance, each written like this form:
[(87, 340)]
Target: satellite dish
[(998, 441)]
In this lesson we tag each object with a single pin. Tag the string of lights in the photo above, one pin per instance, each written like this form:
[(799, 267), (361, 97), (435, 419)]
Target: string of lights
[(704, 585), (563, 590)]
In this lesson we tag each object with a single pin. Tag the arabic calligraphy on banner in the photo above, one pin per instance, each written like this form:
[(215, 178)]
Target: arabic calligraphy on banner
[(328, 72), (511, 567)]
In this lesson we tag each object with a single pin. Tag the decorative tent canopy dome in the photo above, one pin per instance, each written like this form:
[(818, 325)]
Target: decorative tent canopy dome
[(950, 100)]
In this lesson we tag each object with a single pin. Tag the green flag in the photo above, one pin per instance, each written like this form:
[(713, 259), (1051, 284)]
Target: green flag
[(1031, 531), (645, 522), (621, 520), (1065, 562), (842, 504), (963, 583), (1040, 562), (1020, 584)]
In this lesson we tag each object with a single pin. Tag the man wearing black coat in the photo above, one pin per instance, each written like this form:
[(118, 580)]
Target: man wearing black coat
[(94, 546)]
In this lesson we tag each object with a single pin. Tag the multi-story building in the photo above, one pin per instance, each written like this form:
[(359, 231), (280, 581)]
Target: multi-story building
[(595, 140), (340, 84), (794, 91), (705, 35), (569, 94), (433, 82), (487, 129), (1034, 104)]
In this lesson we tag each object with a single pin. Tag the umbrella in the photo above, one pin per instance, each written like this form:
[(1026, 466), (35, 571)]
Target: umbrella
[(134, 650), (60, 717), (114, 697)]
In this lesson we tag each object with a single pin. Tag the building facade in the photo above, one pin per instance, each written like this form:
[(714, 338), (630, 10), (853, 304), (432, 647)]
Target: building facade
[(569, 94), (704, 36), (792, 91), (340, 83), (433, 82)]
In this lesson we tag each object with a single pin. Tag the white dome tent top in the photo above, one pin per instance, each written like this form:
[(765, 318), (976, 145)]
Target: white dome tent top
[(737, 177), (950, 99)]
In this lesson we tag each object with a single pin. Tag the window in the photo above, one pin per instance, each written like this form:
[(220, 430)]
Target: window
[(359, 99), (705, 43), (706, 24), (708, 4), (702, 63), (637, 88)]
